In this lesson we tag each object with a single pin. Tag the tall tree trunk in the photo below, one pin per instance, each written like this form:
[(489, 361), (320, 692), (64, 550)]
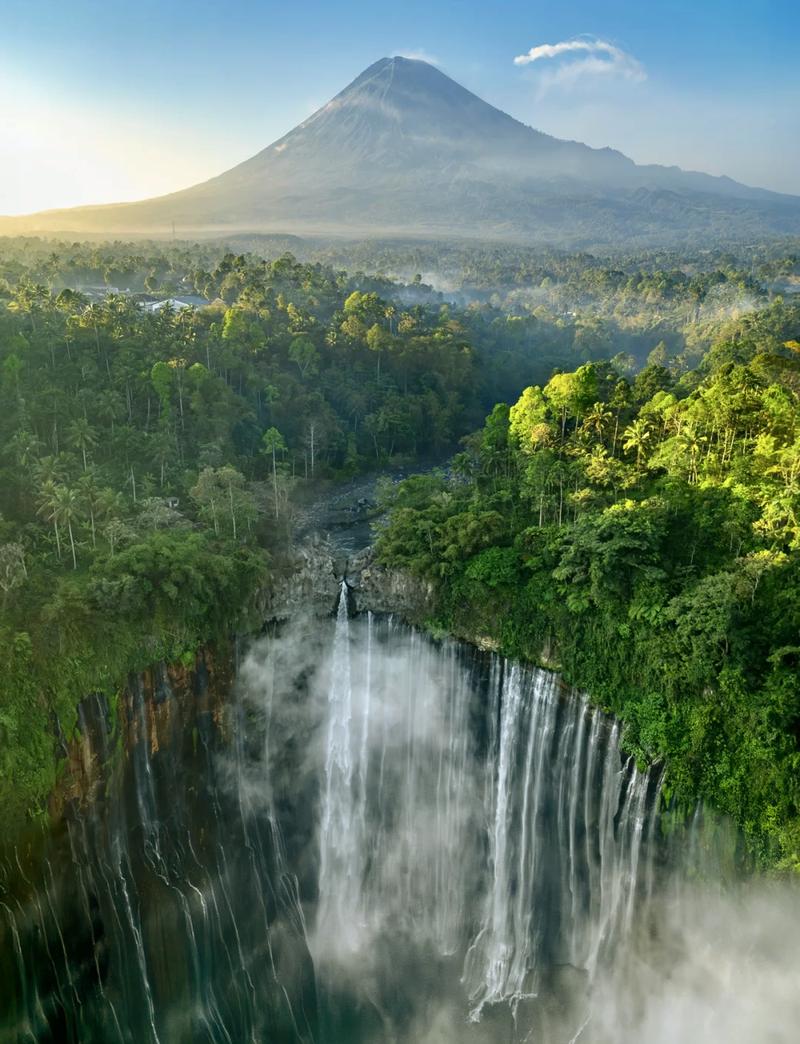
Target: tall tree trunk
[(312, 433), (275, 480), (560, 498), (233, 512), (72, 545)]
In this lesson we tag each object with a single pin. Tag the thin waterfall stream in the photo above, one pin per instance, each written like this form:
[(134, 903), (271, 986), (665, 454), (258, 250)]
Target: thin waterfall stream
[(378, 837)]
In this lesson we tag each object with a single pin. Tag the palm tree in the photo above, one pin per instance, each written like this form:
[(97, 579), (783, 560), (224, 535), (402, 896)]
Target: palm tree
[(91, 319), (638, 436), (71, 301), (162, 447), (29, 299), (273, 442), (67, 509), (96, 500), (82, 436), (108, 406), (691, 442), (48, 469), (47, 509), (27, 447), (596, 420)]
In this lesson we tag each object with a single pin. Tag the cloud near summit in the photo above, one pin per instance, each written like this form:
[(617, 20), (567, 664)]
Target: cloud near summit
[(419, 55), (580, 57)]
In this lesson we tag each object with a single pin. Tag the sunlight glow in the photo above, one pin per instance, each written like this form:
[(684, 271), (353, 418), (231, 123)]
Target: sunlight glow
[(56, 152)]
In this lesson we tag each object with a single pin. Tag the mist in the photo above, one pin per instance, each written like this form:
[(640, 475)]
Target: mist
[(719, 964), (456, 879)]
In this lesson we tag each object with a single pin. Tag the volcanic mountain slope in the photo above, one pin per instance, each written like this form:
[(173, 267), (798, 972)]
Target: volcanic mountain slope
[(405, 150)]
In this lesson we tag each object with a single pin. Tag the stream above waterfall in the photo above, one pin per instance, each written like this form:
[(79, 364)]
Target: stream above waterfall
[(380, 837)]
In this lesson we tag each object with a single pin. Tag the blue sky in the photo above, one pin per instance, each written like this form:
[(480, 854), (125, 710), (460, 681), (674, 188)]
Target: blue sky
[(106, 101)]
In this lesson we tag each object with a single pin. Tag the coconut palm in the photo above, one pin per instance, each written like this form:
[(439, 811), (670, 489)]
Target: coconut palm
[(597, 419), (98, 502), (26, 447), (67, 510), (48, 469), (82, 436), (92, 318), (29, 299), (48, 500), (638, 436)]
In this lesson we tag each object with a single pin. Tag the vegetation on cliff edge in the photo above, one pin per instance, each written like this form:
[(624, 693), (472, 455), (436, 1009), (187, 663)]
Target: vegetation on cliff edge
[(647, 534)]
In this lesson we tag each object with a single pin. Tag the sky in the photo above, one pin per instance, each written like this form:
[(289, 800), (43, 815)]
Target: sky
[(101, 102)]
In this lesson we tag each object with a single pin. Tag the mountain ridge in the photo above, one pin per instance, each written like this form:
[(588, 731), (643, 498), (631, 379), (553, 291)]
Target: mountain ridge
[(405, 149)]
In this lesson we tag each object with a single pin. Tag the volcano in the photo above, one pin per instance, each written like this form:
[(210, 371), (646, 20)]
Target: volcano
[(406, 151)]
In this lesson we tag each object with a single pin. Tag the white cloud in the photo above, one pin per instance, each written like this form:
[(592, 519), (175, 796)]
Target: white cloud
[(419, 55), (589, 56)]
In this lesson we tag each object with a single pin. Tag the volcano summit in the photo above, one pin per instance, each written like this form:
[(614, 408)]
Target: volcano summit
[(406, 151)]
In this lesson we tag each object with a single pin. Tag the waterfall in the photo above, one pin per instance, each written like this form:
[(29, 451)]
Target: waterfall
[(486, 816), (564, 840), (161, 904), (379, 821), (342, 841), (397, 788)]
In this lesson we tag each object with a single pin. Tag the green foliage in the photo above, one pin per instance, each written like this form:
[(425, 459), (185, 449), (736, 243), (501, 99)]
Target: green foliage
[(145, 456), (645, 531), (158, 599), (650, 546), (495, 567)]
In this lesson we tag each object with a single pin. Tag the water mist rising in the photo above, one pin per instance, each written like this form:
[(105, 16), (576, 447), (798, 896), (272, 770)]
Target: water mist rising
[(398, 792), (473, 815), (383, 839)]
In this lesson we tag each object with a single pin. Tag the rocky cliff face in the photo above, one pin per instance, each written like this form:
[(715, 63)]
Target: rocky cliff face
[(165, 814), (311, 579), (169, 911), (307, 583), (158, 709), (161, 706), (382, 590)]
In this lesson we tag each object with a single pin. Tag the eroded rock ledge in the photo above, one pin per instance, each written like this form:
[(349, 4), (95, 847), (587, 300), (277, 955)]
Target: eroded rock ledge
[(310, 581), (382, 590)]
